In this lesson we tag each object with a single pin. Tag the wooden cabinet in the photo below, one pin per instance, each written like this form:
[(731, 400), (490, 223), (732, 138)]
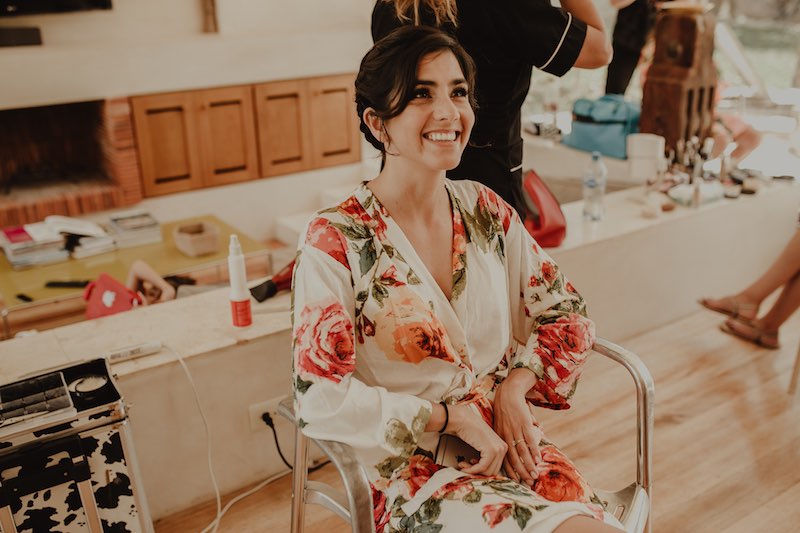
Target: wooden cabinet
[(335, 137), (166, 140), (227, 135), (193, 139), (305, 124), (284, 139)]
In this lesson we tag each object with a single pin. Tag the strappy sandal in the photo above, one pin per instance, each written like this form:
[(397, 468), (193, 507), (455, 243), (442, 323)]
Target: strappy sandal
[(748, 331), (735, 309)]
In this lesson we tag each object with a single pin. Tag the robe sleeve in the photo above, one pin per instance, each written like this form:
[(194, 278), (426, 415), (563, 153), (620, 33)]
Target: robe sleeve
[(552, 333), (329, 402)]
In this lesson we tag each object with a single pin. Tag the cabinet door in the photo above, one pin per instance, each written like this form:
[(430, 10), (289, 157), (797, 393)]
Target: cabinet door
[(165, 135), (283, 137), (335, 136), (227, 135)]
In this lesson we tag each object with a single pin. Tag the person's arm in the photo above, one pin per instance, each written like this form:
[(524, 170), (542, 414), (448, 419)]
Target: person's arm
[(552, 335), (141, 272), (329, 402), (596, 50)]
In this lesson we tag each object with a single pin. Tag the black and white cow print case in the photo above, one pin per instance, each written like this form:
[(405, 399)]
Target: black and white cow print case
[(79, 476)]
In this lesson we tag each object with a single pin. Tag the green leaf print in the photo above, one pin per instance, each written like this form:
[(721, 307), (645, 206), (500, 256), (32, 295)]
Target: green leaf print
[(389, 250), (386, 467), (367, 257), (362, 296), (429, 511), (302, 423), (521, 514), (407, 523), (412, 278), (301, 385), (354, 232), (459, 281), (557, 284), (420, 421), (472, 497), (379, 292), (428, 528), (397, 506), (506, 486)]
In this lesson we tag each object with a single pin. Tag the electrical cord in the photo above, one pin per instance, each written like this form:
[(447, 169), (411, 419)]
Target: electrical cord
[(267, 418), (221, 511)]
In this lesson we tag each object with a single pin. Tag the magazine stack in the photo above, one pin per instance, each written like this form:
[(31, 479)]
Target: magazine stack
[(134, 228), (32, 244)]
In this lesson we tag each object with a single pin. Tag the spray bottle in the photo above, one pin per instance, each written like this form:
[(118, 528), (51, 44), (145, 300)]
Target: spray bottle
[(240, 295)]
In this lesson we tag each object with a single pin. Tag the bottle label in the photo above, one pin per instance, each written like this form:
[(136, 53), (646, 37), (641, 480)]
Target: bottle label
[(241, 313)]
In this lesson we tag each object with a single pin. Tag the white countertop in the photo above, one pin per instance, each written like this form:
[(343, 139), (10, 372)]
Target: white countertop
[(190, 326)]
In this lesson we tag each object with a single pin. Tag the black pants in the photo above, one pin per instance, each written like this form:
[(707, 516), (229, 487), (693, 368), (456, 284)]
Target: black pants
[(631, 30)]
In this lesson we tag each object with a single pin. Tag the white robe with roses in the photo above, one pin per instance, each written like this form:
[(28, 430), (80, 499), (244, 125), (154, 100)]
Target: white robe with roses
[(376, 343)]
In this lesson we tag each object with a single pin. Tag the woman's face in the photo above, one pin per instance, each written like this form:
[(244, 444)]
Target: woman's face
[(433, 129)]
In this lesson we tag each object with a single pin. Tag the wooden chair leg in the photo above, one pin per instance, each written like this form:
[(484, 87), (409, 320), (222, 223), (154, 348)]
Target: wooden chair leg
[(795, 373)]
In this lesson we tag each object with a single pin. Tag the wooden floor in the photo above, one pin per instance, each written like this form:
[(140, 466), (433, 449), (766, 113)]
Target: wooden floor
[(727, 440)]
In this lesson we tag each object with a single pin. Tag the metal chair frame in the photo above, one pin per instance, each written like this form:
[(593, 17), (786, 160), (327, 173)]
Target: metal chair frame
[(631, 505)]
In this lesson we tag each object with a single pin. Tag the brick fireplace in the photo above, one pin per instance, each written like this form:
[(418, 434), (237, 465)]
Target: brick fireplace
[(67, 160)]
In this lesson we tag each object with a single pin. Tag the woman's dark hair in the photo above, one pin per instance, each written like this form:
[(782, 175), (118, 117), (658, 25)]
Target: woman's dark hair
[(388, 74)]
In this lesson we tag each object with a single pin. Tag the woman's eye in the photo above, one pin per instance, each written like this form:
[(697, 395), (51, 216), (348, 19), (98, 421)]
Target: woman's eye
[(460, 92), (421, 93)]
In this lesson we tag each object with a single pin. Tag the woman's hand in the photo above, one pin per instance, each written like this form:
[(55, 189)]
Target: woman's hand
[(470, 427), (515, 424)]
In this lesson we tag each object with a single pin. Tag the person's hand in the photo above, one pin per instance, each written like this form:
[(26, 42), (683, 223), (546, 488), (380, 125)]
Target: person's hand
[(515, 424), (470, 427)]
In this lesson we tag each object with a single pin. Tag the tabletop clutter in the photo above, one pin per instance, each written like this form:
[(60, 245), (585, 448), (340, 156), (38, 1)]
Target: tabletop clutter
[(57, 238)]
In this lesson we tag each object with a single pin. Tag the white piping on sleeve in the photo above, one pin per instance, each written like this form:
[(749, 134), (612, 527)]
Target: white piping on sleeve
[(563, 36)]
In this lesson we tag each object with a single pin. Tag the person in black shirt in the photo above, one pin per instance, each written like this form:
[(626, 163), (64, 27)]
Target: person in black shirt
[(506, 39)]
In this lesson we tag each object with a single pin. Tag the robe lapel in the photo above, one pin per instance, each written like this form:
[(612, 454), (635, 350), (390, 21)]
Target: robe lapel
[(393, 236)]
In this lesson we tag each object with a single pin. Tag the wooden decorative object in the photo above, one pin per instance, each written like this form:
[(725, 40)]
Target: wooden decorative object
[(679, 93), (210, 24)]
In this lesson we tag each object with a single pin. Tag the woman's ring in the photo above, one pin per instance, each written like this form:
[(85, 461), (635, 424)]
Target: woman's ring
[(517, 442)]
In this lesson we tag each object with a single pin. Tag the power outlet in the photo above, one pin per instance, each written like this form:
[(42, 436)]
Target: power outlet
[(257, 409)]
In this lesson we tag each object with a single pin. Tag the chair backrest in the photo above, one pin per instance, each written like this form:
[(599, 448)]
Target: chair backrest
[(631, 505)]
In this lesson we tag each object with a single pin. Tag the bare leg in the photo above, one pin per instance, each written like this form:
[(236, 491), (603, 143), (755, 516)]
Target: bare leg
[(786, 304), (745, 303), (585, 524), (785, 267)]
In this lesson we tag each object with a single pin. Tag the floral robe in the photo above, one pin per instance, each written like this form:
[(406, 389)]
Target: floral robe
[(376, 343)]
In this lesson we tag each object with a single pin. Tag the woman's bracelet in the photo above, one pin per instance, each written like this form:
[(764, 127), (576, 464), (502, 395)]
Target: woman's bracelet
[(446, 417)]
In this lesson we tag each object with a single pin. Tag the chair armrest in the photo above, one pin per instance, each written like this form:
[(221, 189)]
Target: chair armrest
[(645, 401)]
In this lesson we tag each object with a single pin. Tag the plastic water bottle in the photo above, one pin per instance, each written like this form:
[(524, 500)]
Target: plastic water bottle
[(594, 186)]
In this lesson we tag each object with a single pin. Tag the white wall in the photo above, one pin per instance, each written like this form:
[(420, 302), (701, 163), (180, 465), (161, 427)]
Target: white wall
[(169, 20), (152, 46)]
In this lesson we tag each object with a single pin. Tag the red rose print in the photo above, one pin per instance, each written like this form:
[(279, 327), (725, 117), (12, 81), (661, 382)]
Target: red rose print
[(495, 513), (489, 202), (327, 238), (390, 277), (419, 470), (324, 342), (456, 489), (353, 209), (548, 272), (380, 510), (558, 479)]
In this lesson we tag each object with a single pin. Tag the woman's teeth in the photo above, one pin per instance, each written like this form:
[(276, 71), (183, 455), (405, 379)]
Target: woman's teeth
[(450, 136)]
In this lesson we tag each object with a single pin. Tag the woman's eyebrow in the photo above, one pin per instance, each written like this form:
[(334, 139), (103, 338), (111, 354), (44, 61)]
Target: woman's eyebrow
[(457, 81)]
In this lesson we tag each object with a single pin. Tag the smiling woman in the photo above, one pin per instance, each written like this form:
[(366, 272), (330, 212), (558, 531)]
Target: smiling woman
[(425, 314)]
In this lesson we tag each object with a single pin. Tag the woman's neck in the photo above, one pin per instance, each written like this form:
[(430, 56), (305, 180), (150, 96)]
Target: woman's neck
[(410, 193)]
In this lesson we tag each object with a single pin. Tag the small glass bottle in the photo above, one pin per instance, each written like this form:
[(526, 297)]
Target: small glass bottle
[(594, 187)]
